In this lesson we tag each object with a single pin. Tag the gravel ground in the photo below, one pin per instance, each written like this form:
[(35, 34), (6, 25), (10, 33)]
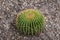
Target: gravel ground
[(10, 8)]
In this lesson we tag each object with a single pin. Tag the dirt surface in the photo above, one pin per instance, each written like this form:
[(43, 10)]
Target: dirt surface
[(10, 8)]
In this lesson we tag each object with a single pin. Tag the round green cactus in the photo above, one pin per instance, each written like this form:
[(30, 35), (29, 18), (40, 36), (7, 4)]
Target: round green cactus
[(30, 21)]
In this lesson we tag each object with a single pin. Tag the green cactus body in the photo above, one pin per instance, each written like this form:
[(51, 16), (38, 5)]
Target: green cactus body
[(30, 21)]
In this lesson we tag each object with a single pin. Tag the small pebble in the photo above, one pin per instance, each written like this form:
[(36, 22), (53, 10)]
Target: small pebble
[(13, 37), (0, 31)]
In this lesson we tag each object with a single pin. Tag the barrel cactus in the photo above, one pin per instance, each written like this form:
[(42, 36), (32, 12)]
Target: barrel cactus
[(30, 21)]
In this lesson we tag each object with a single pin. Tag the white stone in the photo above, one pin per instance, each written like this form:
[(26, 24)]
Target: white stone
[(13, 37)]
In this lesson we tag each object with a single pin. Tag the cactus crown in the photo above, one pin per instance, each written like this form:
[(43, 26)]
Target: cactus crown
[(30, 21)]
